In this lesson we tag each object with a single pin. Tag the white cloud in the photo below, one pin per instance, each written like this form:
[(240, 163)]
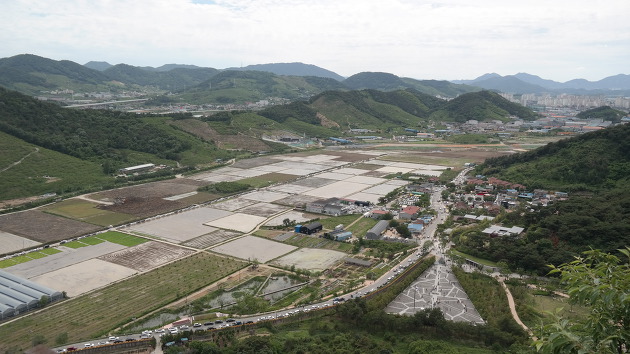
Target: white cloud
[(421, 39)]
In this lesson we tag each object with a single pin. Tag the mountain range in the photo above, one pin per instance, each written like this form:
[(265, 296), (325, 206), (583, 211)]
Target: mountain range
[(33, 75), (527, 83)]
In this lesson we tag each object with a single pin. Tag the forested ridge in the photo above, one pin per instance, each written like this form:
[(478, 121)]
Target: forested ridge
[(591, 161), (90, 135)]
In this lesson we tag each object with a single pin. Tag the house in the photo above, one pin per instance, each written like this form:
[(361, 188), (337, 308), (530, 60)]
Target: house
[(378, 214), (410, 212), (415, 229), (375, 232), (496, 230)]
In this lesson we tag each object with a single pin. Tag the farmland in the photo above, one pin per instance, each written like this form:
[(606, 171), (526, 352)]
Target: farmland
[(87, 211), (98, 313), (43, 227)]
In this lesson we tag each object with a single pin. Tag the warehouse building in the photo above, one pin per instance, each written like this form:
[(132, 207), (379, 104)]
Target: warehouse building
[(18, 295), (309, 229), (375, 232)]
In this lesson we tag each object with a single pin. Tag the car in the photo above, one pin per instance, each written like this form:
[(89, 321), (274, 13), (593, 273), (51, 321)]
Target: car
[(129, 340), (88, 345), (112, 338), (208, 323), (183, 327), (218, 321), (209, 328), (249, 322), (197, 325), (230, 320), (238, 323), (159, 330), (71, 349), (118, 341)]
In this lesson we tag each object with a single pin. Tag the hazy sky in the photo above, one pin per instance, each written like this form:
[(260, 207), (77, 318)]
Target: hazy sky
[(449, 39)]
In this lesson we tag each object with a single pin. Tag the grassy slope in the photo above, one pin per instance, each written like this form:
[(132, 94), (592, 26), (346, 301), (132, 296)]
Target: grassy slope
[(27, 179)]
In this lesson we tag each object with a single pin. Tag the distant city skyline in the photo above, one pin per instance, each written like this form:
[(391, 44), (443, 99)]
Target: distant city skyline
[(442, 39)]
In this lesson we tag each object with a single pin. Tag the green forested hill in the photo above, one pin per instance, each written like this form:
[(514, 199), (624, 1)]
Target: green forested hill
[(592, 161), (482, 105), (603, 112), (243, 86), (384, 111), (390, 82), (31, 74)]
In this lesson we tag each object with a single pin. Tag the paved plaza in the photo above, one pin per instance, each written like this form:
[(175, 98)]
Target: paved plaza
[(436, 287)]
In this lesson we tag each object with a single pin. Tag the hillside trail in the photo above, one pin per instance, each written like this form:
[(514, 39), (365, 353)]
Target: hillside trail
[(513, 308), (20, 160)]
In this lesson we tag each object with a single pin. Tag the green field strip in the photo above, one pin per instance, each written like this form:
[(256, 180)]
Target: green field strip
[(92, 240), (75, 244), (121, 239), (36, 255), (50, 251)]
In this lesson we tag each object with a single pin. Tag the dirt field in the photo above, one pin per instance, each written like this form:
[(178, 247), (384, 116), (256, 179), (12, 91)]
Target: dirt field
[(233, 204), (296, 200), (39, 226), (160, 189), (313, 182), (11, 243), (311, 258), (251, 247), (262, 209), (83, 277), (182, 226), (238, 222), (264, 196), (146, 256), (338, 189), (211, 239)]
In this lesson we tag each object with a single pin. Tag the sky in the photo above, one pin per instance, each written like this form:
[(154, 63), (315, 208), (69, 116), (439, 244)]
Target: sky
[(442, 39)]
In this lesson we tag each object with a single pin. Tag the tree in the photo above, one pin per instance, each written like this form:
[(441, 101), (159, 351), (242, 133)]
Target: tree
[(62, 338), (600, 281)]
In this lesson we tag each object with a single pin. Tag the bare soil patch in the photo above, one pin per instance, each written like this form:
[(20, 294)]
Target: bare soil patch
[(83, 277), (311, 258), (144, 207), (42, 227), (211, 239), (251, 247), (147, 255)]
